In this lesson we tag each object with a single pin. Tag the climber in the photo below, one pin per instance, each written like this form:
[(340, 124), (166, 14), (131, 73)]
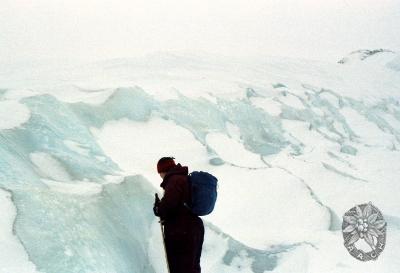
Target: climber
[(183, 230)]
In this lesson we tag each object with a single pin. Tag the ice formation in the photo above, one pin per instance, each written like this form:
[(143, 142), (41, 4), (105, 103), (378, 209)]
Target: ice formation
[(294, 144)]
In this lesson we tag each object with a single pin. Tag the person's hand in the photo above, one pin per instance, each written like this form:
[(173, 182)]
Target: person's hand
[(155, 206), (157, 199)]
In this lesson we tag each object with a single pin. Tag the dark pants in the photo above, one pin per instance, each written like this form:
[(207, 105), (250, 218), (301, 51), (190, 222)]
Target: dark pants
[(184, 250)]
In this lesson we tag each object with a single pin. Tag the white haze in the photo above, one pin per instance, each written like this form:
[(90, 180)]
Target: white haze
[(91, 30)]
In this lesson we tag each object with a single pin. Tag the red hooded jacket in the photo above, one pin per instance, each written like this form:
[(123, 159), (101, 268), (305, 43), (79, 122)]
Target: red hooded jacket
[(175, 216)]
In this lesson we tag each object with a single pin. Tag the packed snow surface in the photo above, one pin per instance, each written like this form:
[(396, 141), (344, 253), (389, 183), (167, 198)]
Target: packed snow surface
[(294, 144)]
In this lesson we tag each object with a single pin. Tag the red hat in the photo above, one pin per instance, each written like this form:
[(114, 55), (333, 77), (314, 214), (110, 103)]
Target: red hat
[(165, 164)]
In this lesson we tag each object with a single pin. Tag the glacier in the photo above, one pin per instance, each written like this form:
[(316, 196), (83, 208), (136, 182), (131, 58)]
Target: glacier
[(294, 143)]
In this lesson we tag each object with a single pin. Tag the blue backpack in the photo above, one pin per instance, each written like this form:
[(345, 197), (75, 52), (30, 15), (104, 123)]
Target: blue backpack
[(204, 193)]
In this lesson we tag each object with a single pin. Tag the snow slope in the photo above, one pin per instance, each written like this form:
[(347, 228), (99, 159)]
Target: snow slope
[(295, 144)]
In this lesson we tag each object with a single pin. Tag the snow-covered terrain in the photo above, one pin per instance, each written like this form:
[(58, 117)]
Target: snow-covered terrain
[(294, 144)]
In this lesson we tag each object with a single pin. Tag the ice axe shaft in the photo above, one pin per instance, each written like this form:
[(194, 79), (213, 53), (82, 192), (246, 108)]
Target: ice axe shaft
[(165, 249), (163, 237)]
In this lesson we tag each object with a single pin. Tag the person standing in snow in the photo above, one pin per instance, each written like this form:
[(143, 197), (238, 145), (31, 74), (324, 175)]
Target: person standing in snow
[(183, 231)]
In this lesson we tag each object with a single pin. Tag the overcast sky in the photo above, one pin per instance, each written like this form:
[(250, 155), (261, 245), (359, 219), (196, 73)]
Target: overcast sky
[(99, 29)]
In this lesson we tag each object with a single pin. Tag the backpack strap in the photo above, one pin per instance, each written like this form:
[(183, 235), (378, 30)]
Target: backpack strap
[(188, 202)]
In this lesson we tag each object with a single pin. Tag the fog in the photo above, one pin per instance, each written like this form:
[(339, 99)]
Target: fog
[(93, 30)]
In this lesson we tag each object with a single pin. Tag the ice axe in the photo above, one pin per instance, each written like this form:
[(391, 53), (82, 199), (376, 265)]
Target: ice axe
[(163, 235)]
